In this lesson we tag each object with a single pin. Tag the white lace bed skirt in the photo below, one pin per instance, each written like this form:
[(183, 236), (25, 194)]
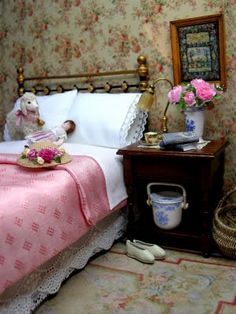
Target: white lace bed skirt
[(29, 293)]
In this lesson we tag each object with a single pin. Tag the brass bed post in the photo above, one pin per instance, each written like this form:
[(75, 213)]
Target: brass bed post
[(143, 73), (20, 81)]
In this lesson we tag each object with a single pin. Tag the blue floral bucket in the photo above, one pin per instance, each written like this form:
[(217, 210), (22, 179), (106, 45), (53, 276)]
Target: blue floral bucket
[(167, 205)]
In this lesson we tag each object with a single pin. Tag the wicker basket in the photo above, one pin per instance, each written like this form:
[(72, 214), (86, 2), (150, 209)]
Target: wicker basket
[(224, 225)]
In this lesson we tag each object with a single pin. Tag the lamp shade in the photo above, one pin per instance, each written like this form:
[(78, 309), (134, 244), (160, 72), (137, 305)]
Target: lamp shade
[(147, 99)]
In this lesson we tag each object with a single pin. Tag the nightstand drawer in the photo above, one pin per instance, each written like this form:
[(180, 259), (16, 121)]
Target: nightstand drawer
[(163, 167)]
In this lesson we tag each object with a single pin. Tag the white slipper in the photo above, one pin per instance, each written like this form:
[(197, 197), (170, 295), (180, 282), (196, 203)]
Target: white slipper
[(140, 254), (156, 250)]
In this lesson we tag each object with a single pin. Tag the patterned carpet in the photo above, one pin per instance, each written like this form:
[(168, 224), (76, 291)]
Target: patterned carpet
[(183, 283)]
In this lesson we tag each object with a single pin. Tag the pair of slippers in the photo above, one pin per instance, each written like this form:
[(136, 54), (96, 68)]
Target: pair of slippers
[(144, 252)]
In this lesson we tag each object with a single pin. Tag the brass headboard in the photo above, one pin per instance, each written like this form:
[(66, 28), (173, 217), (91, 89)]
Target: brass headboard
[(137, 79)]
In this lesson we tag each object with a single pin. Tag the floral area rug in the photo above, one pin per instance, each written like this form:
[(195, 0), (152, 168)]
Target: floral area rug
[(183, 283)]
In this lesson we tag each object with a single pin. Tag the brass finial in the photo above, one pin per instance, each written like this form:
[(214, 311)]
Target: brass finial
[(90, 88), (124, 86), (60, 89), (46, 90), (107, 87), (20, 81)]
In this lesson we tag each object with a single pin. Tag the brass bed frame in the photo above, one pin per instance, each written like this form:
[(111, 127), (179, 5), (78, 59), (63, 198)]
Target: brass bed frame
[(86, 82)]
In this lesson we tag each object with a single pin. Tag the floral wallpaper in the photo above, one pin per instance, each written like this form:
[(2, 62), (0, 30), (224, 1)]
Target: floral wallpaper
[(68, 36)]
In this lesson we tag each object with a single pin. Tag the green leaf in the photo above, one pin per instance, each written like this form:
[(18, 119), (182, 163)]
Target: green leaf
[(57, 159)]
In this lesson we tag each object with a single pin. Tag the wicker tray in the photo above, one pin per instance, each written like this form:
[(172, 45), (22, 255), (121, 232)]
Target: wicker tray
[(224, 225)]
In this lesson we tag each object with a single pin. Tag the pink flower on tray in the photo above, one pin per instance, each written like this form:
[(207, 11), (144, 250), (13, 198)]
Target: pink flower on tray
[(47, 154), (32, 154)]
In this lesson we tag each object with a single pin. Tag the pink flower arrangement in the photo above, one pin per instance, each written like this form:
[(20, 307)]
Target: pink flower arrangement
[(44, 155), (196, 94)]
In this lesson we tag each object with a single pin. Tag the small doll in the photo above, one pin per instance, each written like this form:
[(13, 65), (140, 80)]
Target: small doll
[(56, 135)]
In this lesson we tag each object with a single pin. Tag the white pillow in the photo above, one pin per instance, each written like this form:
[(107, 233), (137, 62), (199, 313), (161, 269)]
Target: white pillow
[(110, 120), (53, 109)]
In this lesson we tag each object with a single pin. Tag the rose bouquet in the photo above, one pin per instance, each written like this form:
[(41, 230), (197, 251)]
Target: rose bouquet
[(196, 94)]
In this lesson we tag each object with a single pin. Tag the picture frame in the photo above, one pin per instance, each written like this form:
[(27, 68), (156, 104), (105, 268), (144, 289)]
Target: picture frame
[(198, 49)]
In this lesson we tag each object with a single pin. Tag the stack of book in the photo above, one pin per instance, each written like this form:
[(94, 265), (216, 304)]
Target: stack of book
[(182, 141)]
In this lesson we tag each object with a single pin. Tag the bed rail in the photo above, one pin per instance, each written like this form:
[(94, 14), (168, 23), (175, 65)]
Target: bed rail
[(136, 79)]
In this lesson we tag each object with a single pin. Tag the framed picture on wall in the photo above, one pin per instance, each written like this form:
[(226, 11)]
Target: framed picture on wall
[(198, 49)]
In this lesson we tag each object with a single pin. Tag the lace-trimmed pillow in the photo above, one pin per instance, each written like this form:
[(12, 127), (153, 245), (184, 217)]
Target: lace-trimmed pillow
[(109, 120)]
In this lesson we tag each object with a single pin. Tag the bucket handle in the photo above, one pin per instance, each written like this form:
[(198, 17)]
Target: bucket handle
[(184, 203)]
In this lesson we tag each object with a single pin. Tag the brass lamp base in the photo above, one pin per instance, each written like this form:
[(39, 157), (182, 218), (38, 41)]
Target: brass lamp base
[(164, 124)]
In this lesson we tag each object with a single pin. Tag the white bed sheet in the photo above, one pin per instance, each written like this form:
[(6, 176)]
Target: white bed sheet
[(110, 163)]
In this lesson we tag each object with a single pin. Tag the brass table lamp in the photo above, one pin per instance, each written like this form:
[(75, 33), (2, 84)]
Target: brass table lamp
[(147, 99)]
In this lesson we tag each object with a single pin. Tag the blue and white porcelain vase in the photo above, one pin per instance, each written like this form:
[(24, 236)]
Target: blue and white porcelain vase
[(194, 121)]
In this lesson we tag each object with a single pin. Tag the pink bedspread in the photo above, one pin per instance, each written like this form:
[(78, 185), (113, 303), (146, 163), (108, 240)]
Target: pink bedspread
[(42, 211)]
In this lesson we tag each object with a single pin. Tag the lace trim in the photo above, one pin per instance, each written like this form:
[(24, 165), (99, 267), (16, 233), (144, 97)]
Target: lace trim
[(30, 292), (134, 124)]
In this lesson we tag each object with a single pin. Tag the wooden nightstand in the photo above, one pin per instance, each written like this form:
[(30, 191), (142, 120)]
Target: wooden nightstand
[(200, 172)]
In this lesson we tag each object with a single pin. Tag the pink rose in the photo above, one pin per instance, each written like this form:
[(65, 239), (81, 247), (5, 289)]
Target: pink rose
[(58, 152), (189, 99), (204, 90), (32, 154), (174, 94), (197, 82), (206, 93), (47, 154)]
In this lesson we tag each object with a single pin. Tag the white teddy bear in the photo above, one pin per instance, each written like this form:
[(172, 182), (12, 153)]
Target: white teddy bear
[(25, 120)]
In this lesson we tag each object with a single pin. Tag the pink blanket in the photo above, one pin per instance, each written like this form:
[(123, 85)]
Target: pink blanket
[(42, 211)]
